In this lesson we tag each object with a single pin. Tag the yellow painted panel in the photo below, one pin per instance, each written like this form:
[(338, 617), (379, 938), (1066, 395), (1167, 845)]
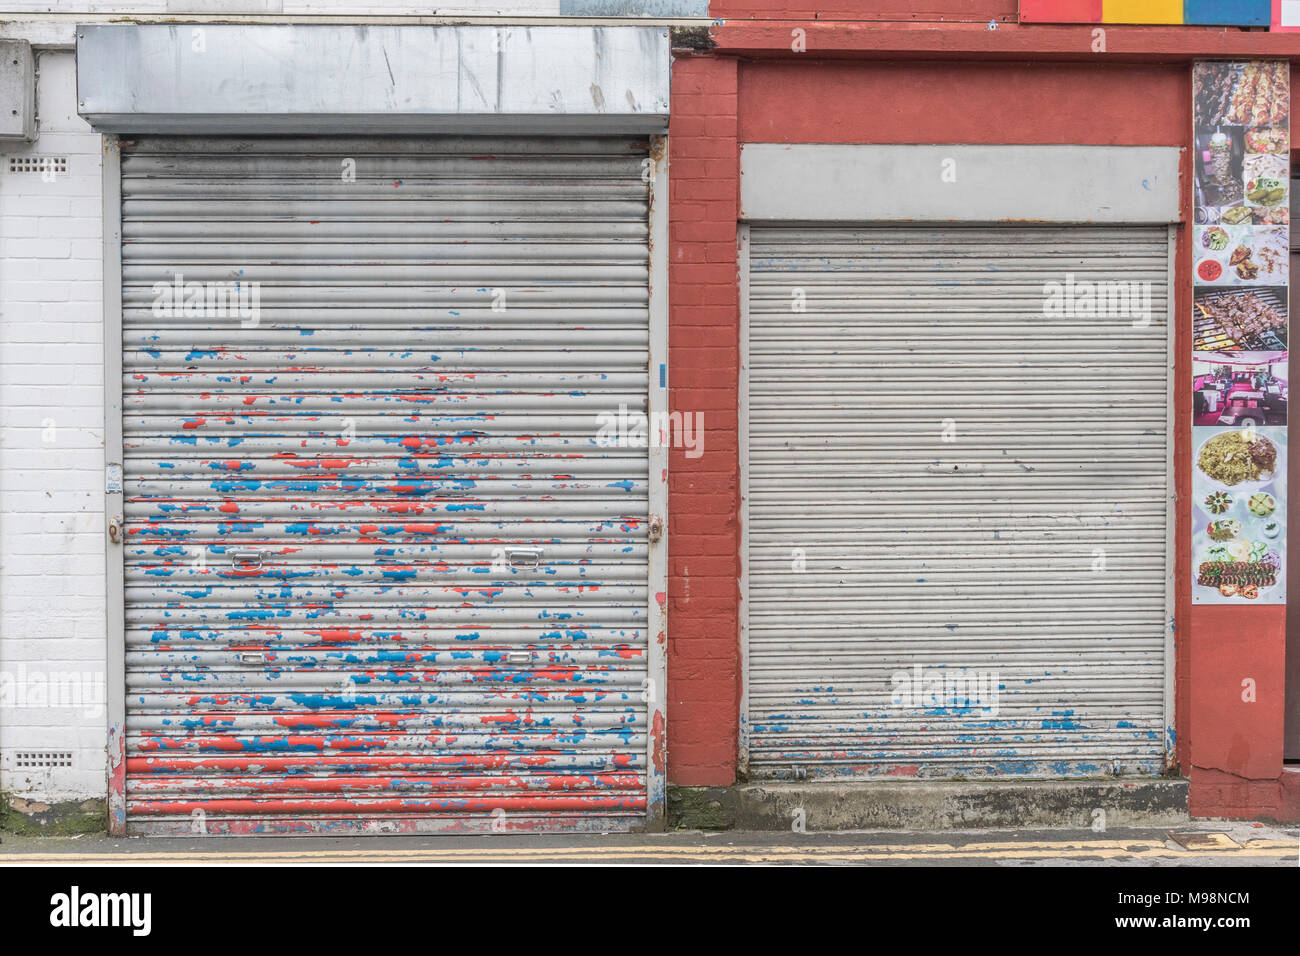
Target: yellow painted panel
[(1142, 11)]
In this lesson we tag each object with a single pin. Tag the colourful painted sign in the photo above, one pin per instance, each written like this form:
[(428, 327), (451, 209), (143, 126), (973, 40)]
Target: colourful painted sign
[(1286, 16), (1236, 13)]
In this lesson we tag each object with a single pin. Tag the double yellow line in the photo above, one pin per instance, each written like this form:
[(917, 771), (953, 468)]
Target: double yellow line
[(1283, 851)]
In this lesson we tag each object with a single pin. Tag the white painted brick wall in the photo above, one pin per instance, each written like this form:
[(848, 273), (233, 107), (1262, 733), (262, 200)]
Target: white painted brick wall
[(52, 598), (532, 8)]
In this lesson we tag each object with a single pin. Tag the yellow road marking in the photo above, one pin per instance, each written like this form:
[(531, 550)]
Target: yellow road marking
[(1116, 849)]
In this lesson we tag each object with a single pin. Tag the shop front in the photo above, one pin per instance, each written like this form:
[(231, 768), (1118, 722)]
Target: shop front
[(378, 571), (972, 537)]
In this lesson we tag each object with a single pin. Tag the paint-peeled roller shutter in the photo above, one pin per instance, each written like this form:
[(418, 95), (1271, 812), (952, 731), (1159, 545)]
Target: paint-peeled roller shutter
[(957, 501), (381, 572)]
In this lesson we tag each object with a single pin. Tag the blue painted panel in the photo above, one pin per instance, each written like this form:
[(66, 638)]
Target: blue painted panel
[(1240, 13)]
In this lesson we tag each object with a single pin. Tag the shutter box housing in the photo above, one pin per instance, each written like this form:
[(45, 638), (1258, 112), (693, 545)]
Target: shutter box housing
[(17, 93)]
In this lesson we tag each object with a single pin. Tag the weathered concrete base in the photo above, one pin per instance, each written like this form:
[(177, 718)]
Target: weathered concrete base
[(939, 805), (34, 818)]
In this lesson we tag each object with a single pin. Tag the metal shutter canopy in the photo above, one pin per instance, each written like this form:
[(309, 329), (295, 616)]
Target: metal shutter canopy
[(381, 575), (881, 557)]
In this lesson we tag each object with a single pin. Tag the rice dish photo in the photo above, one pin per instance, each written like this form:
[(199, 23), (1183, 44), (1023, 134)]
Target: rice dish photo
[(1230, 459)]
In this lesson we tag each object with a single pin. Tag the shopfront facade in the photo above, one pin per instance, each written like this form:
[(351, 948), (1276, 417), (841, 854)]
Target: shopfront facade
[(368, 291), (305, 388), (941, 479)]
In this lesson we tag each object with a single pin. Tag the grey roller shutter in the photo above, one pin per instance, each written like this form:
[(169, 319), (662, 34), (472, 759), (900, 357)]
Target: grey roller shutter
[(381, 574), (941, 481)]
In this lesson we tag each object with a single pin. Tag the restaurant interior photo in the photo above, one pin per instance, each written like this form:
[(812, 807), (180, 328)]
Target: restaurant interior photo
[(1239, 388)]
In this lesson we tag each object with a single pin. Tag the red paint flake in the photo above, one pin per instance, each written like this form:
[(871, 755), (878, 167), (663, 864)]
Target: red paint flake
[(194, 423), (908, 771), (658, 753), (557, 673), (229, 507)]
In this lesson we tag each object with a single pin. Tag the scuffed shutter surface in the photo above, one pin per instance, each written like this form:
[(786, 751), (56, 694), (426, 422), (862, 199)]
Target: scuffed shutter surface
[(943, 482), (381, 573)]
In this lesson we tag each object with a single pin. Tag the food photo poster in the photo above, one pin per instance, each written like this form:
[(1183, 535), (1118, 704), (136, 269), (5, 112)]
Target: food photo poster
[(1240, 266)]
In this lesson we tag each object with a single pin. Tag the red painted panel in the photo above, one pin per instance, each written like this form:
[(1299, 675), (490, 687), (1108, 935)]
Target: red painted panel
[(919, 10), (882, 102), (1230, 734), (1060, 11)]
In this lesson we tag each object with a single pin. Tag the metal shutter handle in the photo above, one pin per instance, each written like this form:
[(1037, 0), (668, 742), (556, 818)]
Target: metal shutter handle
[(247, 558), (523, 557)]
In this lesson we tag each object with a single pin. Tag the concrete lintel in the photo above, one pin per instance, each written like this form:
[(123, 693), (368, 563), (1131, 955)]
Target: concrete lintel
[(237, 78), (815, 182)]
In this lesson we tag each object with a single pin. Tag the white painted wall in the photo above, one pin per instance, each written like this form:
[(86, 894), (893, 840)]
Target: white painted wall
[(52, 593), (539, 8)]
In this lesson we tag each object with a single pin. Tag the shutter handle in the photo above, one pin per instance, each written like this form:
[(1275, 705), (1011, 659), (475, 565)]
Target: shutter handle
[(247, 558), (523, 557)]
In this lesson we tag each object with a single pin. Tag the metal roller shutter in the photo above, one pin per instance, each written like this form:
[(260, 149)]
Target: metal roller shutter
[(943, 487), (380, 573)]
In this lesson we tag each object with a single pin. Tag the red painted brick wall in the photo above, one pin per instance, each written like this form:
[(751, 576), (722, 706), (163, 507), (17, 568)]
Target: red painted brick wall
[(1229, 749), (900, 10), (834, 101), (704, 356)]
